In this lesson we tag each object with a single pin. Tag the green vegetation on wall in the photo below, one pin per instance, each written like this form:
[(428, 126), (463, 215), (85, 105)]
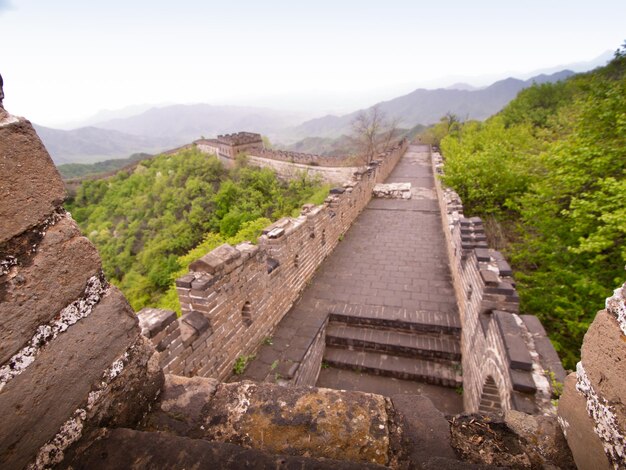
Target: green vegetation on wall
[(549, 170), (150, 224)]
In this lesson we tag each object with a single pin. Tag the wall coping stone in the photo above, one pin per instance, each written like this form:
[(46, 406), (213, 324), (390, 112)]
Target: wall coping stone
[(154, 320), (196, 320)]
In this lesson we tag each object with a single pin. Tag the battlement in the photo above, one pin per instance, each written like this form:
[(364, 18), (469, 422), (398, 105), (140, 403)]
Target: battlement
[(508, 360), (240, 138)]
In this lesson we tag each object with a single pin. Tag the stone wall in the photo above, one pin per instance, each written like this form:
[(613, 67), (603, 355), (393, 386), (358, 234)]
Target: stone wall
[(288, 170), (71, 354), (508, 361), (592, 410), (233, 297), (288, 165), (303, 158)]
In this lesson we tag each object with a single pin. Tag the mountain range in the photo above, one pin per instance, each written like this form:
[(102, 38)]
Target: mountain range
[(161, 128), (425, 107)]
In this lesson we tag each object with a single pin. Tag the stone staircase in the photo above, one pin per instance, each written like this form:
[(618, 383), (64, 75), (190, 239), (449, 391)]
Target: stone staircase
[(400, 343)]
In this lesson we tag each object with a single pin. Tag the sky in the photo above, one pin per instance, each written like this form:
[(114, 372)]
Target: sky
[(63, 60)]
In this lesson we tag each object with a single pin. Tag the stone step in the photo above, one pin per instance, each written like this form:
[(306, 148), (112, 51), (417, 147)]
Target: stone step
[(398, 343), (405, 368), (401, 319)]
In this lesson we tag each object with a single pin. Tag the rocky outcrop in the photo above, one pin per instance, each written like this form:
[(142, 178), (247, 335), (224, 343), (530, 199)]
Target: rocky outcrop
[(592, 410), (72, 358)]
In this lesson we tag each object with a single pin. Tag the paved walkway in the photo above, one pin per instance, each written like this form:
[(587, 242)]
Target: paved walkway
[(391, 262)]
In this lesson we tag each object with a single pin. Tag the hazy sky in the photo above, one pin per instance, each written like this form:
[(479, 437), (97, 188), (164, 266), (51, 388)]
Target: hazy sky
[(63, 60)]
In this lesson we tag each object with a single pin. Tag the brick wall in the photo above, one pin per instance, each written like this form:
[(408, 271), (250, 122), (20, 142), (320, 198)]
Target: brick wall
[(233, 297), (499, 346)]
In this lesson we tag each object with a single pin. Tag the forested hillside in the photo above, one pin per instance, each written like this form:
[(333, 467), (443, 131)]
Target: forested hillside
[(145, 223), (548, 175)]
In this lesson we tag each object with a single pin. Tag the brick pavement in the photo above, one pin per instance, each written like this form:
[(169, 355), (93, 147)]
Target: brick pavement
[(392, 260)]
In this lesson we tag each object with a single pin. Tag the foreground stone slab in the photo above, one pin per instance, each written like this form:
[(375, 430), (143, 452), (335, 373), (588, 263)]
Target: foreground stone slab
[(283, 420), (129, 449), (27, 298), (578, 428), (30, 187), (602, 353), (36, 403)]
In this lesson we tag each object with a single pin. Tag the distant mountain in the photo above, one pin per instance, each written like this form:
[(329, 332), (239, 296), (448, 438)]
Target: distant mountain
[(462, 86), (90, 144), (428, 106), (185, 123), (106, 115), (158, 129)]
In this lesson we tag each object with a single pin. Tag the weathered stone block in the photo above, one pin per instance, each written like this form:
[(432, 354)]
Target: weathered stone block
[(203, 282), (522, 381), (483, 254), (578, 428), (126, 448), (185, 281), (30, 187), (37, 402), (514, 345), (197, 321), (603, 353), (301, 421), (34, 293), (547, 354), (247, 249), (489, 277), (152, 321), (216, 259), (188, 335)]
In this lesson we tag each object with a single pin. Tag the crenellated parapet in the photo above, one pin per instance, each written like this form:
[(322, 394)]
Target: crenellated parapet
[(234, 296), (508, 360)]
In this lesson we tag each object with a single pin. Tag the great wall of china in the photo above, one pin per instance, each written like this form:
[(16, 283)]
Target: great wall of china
[(82, 381)]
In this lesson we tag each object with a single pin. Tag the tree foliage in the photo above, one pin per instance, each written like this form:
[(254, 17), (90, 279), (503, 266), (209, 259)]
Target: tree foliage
[(551, 168), (146, 222)]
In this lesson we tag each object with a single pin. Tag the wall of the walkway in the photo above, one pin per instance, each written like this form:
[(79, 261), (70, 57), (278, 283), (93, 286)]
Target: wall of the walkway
[(497, 343), (233, 297), (288, 170), (289, 165), (592, 410), (71, 354)]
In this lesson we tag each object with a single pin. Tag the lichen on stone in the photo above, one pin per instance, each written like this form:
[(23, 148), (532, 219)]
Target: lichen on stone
[(616, 306), (32, 237), (606, 426), (74, 312), (6, 264), (53, 452), (544, 393)]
